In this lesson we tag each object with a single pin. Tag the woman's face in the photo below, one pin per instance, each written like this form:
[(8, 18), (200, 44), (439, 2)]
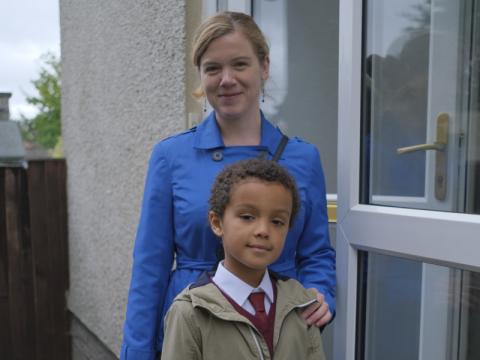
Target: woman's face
[(231, 76)]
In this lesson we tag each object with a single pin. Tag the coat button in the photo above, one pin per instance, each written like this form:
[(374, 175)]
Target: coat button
[(217, 155)]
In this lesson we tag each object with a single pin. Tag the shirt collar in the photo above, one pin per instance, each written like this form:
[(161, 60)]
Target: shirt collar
[(239, 290), (208, 136)]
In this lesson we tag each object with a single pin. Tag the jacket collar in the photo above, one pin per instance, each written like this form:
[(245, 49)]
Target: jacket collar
[(208, 136), (206, 295)]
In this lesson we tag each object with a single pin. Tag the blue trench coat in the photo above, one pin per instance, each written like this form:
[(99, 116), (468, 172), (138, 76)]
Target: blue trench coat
[(174, 221)]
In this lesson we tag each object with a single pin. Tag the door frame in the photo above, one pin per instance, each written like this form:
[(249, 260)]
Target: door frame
[(442, 238)]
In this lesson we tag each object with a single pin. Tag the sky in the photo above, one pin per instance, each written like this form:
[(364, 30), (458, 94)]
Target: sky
[(28, 29)]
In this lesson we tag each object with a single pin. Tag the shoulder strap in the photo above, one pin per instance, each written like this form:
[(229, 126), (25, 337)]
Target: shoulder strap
[(280, 148)]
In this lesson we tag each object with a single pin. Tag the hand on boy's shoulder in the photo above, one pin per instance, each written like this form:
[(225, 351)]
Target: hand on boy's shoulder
[(317, 314)]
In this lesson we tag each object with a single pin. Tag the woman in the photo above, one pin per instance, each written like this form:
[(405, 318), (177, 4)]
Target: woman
[(231, 56)]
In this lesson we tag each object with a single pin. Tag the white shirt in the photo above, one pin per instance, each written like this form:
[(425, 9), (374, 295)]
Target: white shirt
[(239, 290)]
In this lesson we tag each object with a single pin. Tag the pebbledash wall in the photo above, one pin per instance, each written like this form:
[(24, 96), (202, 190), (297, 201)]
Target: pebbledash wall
[(124, 88)]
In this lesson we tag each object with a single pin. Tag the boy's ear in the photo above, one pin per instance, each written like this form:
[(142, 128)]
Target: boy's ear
[(215, 223)]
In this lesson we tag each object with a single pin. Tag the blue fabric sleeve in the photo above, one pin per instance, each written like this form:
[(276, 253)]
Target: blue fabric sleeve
[(315, 256), (152, 262)]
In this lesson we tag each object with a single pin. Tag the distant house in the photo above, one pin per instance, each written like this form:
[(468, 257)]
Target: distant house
[(12, 152)]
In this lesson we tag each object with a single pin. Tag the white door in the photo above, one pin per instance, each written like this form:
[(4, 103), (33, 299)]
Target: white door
[(408, 241)]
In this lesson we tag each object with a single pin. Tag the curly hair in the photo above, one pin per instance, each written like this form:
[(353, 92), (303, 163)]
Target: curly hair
[(261, 169)]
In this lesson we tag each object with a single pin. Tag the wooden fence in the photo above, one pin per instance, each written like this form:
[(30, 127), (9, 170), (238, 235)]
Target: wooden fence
[(34, 322)]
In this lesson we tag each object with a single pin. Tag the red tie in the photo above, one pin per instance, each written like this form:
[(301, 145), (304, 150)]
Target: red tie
[(257, 300)]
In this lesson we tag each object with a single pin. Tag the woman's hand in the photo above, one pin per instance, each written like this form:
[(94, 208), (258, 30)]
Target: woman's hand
[(318, 313)]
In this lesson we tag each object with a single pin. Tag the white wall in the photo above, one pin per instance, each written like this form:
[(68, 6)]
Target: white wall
[(123, 89)]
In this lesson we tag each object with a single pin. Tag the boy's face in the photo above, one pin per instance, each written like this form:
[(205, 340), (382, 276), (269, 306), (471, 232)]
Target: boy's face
[(254, 227)]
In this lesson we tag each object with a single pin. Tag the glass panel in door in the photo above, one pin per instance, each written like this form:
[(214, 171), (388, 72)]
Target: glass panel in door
[(417, 102), (423, 311)]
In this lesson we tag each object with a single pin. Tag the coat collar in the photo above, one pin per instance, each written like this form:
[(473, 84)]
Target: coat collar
[(206, 295), (208, 136)]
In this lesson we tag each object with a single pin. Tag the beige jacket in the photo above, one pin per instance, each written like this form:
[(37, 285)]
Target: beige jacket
[(202, 324)]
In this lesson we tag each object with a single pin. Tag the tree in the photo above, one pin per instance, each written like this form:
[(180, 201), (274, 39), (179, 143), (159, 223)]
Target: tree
[(45, 127)]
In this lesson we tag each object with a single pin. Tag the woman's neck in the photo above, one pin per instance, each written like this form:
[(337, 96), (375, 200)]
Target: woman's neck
[(237, 132)]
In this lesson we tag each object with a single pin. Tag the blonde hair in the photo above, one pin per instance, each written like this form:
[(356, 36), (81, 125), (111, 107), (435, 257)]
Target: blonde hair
[(224, 23)]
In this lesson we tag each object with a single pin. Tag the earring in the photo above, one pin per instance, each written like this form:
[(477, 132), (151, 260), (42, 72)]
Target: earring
[(205, 104), (263, 94)]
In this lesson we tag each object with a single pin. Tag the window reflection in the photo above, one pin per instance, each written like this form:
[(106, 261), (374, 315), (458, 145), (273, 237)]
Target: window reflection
[(422, 311), (397, 68), (420, 71)]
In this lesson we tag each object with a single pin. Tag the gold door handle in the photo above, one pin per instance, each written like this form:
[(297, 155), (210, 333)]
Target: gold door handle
[(439, 145), (408, 149)]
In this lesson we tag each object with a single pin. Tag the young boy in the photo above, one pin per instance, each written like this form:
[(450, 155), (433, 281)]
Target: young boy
[(244, 311)]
